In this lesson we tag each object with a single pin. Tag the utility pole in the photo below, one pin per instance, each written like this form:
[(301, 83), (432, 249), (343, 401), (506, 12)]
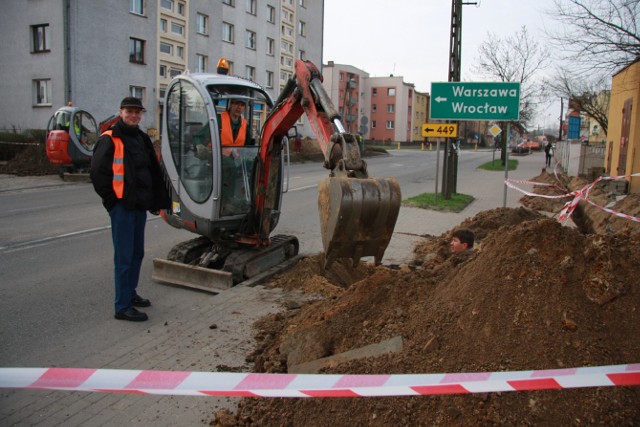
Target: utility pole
[(450, 161), (561, 114)]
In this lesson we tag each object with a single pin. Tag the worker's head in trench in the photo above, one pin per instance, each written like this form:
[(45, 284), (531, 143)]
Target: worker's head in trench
[(236, 108), (131, 110), (461, 240)]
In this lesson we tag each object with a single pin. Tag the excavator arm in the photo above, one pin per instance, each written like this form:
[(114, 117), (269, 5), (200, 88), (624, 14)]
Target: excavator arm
[(357, 213)]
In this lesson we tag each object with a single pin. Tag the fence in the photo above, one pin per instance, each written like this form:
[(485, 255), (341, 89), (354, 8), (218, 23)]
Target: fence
[(578, 159)]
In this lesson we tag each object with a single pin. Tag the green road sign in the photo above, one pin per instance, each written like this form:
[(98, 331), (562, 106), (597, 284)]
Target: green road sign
[(475, 101)]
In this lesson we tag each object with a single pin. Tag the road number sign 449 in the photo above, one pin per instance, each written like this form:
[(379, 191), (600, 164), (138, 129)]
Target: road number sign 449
[(475, 101)]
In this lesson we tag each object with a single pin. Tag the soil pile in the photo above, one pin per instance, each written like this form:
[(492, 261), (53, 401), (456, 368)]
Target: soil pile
[(30, 161), (532, 295)]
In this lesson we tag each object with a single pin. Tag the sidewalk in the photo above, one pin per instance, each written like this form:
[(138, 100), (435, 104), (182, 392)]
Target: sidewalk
[(214, 333)]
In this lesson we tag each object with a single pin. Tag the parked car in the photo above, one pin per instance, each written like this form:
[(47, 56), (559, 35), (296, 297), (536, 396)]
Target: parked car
[(526, 147)]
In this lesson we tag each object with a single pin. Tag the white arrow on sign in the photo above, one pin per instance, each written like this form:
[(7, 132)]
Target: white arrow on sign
[(440, 99)]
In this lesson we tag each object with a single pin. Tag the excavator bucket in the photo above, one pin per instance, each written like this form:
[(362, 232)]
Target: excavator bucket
[(357, 216)]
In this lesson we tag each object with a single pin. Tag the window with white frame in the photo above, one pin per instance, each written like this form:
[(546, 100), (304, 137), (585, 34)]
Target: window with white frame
[(40, 38), (374, 91), (391, 91), (250, 40), (180, 9), (302, 28), (227, 32), (137, 92), (271, 14), (302, 55), (166, 48), (167, 4), (174, 72), (271, 46), (177, 28), (287, 31), (302, 3), (202, 24), (163, 25), (136, 6), (229, 2), (389, 124), (201, 63), (250, 72), (269, 79), (136, 50), (163, 71), (251, 7), (180, 52), (391, 108), (42, 92)]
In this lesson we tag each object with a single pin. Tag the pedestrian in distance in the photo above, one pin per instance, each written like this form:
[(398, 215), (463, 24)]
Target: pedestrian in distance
[(461, 240), (548, 152), (126, 174)]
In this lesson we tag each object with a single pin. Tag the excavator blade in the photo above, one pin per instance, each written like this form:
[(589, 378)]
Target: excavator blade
[(357, 216)]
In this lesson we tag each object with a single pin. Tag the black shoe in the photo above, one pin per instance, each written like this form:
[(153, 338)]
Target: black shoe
[(138, 301), (132, 314)]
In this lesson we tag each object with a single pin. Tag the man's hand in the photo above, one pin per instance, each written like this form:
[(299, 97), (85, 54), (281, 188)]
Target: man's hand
[(156, 212)]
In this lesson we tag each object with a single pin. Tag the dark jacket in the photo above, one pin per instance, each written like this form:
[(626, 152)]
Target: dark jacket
[(144, 185)]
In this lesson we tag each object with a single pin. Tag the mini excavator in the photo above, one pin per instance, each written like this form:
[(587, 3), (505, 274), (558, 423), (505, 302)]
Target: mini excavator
[(231, 196)]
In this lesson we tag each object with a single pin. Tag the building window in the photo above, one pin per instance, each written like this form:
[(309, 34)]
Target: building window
[(167, 4), (302, 3), (163, 71), (174, 72), (163, 25), (166, 48), (250, 72), (374, 108), (180, 52), (302, 55), (40, 38), (269, 79), (177, 28), (391, 91), (390, 108), (271, 46), (373, 124), (136, 6), (181, 9), (202, 24), (302, 28), (389, 124), (42, 92), (230, 63), (229, 2), (227, 32), (271, 14), (136, 50), (287, 31), (251, 7), (251, 40), (137, 92), (374, 91), (202, 63)]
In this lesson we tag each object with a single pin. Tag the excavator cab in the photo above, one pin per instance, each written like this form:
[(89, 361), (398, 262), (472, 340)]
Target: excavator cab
[(71, 135), (212, 184)]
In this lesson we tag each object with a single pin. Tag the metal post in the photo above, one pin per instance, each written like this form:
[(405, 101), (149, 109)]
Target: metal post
[(506, 165), (437, 170)]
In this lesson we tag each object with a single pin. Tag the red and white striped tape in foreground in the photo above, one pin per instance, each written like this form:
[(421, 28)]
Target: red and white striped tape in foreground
[(303, 385)]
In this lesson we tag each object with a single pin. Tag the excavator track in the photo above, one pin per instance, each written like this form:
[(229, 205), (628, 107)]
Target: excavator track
[(238, 266)]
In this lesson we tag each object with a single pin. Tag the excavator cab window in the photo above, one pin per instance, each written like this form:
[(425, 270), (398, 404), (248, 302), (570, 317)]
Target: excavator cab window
[(85, 129)]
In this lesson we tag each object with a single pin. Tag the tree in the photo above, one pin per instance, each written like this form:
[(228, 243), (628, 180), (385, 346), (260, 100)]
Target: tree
[(518, 58), (596, 34), (590, 95)]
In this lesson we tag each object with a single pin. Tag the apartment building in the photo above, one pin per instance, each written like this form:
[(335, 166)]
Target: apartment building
[(346, 86), (391, 109), (95, 53), (421, 102)]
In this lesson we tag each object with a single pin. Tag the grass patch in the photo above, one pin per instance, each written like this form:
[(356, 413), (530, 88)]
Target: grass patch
[(456, 203), (497, 166)]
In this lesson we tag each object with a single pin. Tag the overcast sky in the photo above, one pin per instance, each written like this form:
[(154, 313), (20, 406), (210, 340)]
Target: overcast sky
[(410, 38)]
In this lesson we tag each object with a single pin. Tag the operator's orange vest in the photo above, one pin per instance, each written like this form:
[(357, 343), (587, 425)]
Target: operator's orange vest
[(118, 164), (226, 134)]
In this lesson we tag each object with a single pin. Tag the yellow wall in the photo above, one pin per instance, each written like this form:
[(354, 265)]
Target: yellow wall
[(625, 85), (420, 116)]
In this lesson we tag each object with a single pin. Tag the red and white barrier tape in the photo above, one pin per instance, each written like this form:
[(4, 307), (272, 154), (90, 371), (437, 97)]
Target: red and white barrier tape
[(582, 194), (303, 385)]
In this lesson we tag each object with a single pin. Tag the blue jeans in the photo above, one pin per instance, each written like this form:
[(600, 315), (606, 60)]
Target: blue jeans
[(127, 231)]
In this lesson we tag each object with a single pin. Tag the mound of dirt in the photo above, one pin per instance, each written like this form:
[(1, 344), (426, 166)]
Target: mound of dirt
[(532, 295), (30, 161)]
